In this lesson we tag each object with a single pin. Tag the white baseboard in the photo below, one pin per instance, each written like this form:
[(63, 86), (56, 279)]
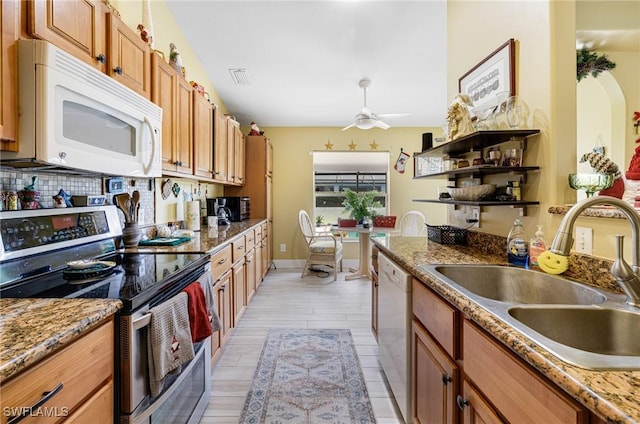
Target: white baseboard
[(299, 263)]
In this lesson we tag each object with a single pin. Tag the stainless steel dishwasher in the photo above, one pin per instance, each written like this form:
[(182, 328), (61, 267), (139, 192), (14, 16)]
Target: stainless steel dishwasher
[(394, 325)]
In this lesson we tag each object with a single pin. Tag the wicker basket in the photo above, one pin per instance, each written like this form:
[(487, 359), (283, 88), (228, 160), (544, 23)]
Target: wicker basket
[(388, 221), (445, 234)]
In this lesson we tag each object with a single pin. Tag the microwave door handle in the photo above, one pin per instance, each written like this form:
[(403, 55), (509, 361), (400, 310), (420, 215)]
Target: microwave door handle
[(147, 167)]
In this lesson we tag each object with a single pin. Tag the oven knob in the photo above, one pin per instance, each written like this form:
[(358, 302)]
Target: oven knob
[(62, 155)]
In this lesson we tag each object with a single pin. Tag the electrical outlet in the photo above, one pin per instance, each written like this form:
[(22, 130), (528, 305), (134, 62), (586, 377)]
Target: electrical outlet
[(475, 214), (283, 247), (583, 240)]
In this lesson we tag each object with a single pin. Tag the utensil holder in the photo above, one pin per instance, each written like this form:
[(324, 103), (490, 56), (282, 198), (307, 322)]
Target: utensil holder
[(131, 234)]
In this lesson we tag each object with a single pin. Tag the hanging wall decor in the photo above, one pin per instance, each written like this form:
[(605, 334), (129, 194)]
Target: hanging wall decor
[(401, 162), (591, 63)]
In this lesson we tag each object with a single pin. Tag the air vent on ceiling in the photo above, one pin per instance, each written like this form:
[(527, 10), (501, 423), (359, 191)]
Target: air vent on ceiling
[(240, 76)]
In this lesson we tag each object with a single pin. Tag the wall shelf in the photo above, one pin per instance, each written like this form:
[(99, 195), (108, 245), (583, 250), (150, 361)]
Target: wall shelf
[(477, 141), (473, 171)]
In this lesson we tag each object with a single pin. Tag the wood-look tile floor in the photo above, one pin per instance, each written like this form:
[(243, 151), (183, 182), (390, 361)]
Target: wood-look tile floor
[(284, 300)]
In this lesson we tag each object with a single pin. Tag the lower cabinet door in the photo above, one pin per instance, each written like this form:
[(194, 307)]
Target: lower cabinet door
[(475, 408), (435, 380)]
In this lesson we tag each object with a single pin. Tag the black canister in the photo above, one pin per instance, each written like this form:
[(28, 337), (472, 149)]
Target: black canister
[(427, 141)]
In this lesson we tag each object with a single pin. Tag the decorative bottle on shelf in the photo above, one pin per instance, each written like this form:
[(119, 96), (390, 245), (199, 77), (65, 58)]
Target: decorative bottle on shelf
[(537, 245), (518, 246)]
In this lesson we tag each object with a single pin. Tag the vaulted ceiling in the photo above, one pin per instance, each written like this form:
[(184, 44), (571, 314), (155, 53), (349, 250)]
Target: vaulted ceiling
[(304, 59)]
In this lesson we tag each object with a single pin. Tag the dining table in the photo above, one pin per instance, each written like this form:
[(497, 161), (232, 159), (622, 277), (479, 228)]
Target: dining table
[(364, 257)]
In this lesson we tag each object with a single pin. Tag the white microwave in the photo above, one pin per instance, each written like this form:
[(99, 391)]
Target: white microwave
[(72, 116)]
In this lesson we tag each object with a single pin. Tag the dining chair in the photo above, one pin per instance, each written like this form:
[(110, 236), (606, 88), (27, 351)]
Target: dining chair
[(412, 223), (323, 248)]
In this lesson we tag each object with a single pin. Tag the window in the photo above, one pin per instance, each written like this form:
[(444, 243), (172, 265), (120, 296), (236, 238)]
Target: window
[(359, 171)]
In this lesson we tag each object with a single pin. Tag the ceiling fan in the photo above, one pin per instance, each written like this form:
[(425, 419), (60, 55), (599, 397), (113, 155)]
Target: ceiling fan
[(366, 119)]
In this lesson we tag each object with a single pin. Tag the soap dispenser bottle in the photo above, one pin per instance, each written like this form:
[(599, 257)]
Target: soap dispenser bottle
[(518, 246), (537, 245)]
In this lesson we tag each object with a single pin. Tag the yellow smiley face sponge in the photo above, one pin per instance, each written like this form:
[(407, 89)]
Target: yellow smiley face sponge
[(552, 263)]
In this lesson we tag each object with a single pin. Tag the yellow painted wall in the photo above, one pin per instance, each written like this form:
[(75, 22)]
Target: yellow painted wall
[(293, 177), (545, 61)]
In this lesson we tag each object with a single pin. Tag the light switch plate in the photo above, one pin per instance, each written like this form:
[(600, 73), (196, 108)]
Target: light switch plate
[(583, 240)]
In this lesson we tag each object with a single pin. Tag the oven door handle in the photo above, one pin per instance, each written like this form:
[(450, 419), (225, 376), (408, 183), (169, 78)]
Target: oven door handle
[(142, 322)]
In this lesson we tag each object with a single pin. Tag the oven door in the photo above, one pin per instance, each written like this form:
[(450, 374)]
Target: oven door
[(185, 395)]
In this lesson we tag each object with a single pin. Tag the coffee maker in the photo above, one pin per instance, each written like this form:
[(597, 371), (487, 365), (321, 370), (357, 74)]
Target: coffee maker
[(222, 211)]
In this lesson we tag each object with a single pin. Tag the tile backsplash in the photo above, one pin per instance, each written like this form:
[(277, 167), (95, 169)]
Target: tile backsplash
[(49, 184)]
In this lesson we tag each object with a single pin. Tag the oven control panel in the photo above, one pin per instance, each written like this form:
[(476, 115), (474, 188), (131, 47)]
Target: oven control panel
[(24, 232)]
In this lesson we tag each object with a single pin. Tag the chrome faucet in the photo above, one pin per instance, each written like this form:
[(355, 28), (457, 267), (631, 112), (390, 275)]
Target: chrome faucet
[(627, 277)]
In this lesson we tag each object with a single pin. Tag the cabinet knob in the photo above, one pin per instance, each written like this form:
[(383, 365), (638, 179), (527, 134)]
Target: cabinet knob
[(446, 379), (101, 58), (462, 402), (118, 70)]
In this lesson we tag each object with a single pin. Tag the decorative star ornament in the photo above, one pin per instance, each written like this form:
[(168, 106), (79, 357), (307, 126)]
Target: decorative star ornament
[(373, 145), (328, 146), (352, 146)]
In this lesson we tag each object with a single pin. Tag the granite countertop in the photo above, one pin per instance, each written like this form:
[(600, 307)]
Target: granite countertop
[(206, 240), (612, 395), (30, 329)]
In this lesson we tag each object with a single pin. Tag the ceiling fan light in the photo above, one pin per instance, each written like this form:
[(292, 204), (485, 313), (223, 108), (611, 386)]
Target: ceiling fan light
[(365, 123)]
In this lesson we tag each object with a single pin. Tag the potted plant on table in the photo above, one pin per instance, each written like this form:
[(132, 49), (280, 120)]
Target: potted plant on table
[(360, 206)]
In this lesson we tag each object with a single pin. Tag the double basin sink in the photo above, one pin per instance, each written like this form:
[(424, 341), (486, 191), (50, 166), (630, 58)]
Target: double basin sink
[(582, 325)]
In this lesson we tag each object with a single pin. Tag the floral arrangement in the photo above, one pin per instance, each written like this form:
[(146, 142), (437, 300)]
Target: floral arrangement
[(591, 63), (359, 205)]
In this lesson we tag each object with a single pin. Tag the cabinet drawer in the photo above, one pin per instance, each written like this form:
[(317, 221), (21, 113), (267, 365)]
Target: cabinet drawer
[(518, 392), (238, 246), (263, 230), (258, 232), (82, 368), (221, 262), (436, 315), (97, 409), (250, 239)]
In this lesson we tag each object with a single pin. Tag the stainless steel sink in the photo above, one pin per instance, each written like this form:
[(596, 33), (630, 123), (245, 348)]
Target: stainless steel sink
[(592, 337), (518, 285), (587, 327)]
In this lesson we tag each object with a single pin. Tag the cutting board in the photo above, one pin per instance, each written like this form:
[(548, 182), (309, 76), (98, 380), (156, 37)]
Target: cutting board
[(164, 241)]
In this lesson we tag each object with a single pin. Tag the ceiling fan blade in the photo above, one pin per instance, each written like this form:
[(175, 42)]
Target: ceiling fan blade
[(392, 115), (349, 126), (381, 124)]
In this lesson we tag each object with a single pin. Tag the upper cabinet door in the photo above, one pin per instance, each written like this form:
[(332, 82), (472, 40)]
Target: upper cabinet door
[(9, 15), (202, 136), (129, 57), (163, 94), (75, 26), (220, 146)]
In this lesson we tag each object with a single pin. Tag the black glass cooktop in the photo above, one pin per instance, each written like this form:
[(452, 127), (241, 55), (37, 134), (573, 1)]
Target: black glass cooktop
[(136, 279)]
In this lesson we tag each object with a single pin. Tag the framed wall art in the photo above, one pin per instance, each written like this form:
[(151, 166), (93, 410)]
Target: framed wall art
[(493, 79)]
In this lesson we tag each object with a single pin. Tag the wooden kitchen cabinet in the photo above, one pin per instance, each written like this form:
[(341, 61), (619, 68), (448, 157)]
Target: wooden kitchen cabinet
[(174, 95), (128, 57), (231, 150), (239, 156), (497, 386), (517, 391), (475, 408), (220, 146), (84, 368), (223, 290), (258, 186), (238, 282), (202, 137), (250, 274), (88, 30), (78, 27), (434, 377), (9, 33)]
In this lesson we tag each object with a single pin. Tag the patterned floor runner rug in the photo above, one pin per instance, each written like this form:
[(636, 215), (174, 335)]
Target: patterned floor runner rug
[(308, 376)]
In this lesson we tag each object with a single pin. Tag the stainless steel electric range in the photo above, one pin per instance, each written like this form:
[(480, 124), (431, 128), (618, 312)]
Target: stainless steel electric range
[(70, 253)]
